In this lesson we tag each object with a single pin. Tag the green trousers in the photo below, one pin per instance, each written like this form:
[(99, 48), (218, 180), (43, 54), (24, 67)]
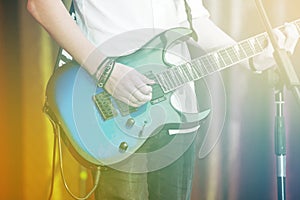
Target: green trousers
[(170, 182)]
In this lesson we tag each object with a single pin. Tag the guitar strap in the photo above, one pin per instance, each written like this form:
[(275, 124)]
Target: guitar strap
[(201, 89), (63, 57), (190, 18)]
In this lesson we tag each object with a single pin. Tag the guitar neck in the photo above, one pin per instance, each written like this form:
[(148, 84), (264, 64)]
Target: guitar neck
[(198, 68)]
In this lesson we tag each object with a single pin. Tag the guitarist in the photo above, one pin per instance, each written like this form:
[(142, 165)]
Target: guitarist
[(99, 20)]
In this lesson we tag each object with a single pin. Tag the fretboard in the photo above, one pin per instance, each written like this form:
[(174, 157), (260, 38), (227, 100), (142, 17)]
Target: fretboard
[(198, 68)]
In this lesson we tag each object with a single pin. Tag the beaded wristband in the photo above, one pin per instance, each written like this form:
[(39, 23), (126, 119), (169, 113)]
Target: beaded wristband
[(97, 73), (106, 73)]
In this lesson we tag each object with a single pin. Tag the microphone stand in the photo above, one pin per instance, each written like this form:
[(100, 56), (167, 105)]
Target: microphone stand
[(287, 77)]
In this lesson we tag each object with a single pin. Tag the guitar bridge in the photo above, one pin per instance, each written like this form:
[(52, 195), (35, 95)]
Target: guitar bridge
[(105, 106)]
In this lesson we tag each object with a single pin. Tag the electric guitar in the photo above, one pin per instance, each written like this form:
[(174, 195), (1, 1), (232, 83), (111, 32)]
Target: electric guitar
[(105, 131)]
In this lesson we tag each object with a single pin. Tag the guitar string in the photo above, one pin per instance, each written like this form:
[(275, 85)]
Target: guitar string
[(226, 57), (247, 46)]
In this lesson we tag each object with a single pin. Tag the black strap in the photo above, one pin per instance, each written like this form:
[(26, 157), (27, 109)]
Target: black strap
[(190, 18), (60, 56)]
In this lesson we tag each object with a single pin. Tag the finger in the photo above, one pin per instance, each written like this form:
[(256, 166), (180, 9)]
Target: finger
[(139, 96), (268, 51), (291, 30), (280, 38), (131, 102), (292, 37), (142, 83), (146, 80), (145, 89)]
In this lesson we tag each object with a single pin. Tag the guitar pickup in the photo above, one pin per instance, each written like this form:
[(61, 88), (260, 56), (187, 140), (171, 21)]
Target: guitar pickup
[(157, 94), (105, 106), (124, 108)]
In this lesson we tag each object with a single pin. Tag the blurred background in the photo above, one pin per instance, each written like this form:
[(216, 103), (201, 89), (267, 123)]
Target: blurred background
[(242, 165)]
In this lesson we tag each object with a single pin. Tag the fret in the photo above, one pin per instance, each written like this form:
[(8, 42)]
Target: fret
[(244, 46), (188, 72), (225, 57), (218, 61), (177, 76), (255, 47), (166, 81), (221, 61), (236, 51), (248, 49), (241, 53), (228, 55), (232, 54), (204, 69), (161, 81), (191, 69), (251, 47), (258, 45), (170, 78), (184, 76), (206, 64), (198, 67), (263, 40), (214, 60), (195, 72)]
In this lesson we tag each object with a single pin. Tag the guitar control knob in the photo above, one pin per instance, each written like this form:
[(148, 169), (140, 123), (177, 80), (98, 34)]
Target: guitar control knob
[(123, 146), (130, 122)]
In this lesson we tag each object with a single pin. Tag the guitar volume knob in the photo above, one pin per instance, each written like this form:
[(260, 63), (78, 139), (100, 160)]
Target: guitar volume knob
[(130, 122), (123, 146)]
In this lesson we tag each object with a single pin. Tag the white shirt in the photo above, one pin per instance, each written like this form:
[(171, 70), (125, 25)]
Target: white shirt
[(102, 19)]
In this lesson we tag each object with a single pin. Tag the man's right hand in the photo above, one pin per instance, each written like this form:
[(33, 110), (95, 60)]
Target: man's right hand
[(129, 86)]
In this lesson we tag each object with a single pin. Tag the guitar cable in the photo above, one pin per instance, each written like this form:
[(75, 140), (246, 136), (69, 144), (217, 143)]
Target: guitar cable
[(53, 165), (57, 137)]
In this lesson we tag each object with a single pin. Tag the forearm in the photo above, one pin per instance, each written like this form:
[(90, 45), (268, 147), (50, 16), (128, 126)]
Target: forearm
[(54, 17)]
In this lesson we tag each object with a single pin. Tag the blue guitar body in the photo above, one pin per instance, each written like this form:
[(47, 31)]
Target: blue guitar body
[(104, 131)]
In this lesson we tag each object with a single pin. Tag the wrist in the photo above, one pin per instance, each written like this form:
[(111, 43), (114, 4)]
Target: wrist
[(104, 71)]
